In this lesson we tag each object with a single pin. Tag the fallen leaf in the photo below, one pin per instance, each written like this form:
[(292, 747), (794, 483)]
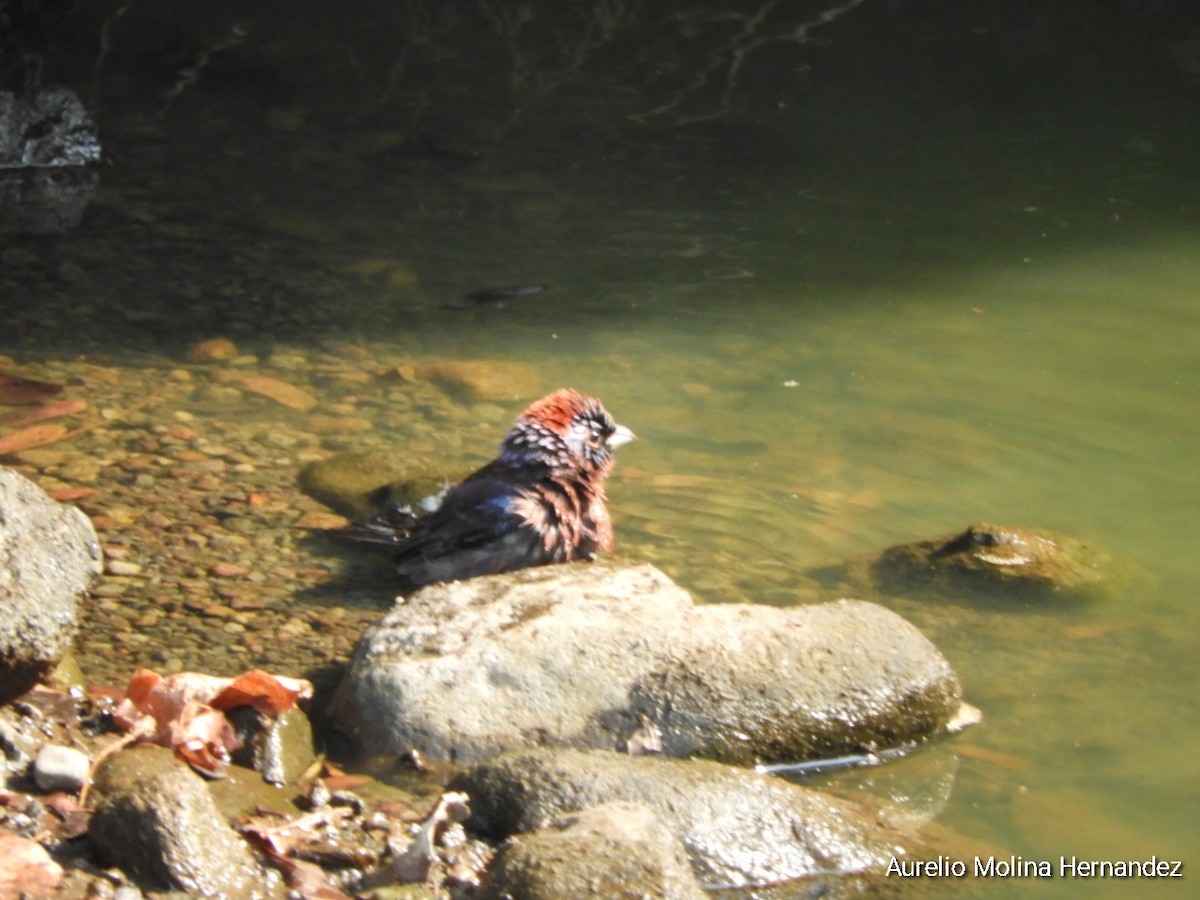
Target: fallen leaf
[(17, 391), (70, 819), (203, 737), (272, 388), (269, 694), (70, 494), (33, 436), (45, 411), (185, 711), (307, 879), (347, 782), (280, 838)]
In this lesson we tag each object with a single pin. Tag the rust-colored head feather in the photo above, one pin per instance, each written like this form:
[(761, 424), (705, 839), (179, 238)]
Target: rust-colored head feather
[(565, 431)]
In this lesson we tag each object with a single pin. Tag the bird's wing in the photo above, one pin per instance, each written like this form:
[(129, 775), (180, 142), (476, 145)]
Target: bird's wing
[(477, 513), (479, 530), (388, 527)]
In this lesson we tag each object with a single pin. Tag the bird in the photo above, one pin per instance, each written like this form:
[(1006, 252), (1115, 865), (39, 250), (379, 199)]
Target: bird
[(541, 501)]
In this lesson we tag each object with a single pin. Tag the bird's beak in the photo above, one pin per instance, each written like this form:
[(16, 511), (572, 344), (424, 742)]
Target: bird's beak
[(620, 435)]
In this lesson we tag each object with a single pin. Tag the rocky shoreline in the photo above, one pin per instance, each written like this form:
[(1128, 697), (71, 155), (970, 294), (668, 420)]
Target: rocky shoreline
[(517, 735)]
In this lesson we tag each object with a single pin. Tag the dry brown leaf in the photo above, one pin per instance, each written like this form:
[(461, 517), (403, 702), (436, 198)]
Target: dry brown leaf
[(184, 711), (33, 436), (269, 694), (307, 879), (272, 388), (345, 782), (282, 837), (45, 411), (17, 391), (70, 494)]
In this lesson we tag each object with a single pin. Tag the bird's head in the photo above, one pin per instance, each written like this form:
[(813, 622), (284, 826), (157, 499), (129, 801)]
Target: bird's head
[(565, 431)]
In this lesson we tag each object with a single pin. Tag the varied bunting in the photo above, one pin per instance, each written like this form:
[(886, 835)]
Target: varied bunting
[(540, 501)]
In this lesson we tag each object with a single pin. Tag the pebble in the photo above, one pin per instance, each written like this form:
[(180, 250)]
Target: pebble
[(122, 567), (213, 350), (59, 768)]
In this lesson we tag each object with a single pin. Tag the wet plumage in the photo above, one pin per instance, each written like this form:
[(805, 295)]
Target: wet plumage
[(540, 501)]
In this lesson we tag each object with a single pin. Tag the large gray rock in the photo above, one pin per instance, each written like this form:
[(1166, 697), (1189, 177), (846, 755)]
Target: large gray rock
[(49, 555), (48, 156), (740, 828), (155, 819), (621, 851), (575, 655), (50, 127)]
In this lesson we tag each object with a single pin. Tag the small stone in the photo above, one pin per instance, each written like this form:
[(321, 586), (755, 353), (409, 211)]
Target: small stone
[(59, 768), (227, 570), (213, 350), (321, 519), (18, 257), (338, 424), (122, 567)]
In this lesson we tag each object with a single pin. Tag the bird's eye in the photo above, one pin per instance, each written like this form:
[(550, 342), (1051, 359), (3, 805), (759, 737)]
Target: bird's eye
[(587, 431)]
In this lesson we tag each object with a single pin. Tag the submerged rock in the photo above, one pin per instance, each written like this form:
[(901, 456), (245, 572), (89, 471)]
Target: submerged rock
[(996, 561), (48, 150), (583, 655), (49, 555), (359, 484), (51, 127), (739, 828), (478, 379)]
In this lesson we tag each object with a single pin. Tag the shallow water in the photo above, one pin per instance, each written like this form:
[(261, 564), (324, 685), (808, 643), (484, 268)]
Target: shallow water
[(893, 323)]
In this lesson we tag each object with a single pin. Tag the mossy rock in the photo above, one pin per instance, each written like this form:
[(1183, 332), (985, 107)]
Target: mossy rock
[(999, 563), (359, 484)]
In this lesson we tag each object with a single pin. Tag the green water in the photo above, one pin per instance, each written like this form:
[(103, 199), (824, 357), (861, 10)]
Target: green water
[(870, 322)]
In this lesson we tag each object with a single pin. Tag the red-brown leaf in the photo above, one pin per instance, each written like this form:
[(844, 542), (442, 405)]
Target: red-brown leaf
[(17, 391), (45, 411), (185, 710), (33, 436), (307, 879), (70, 494), (269, 694)]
